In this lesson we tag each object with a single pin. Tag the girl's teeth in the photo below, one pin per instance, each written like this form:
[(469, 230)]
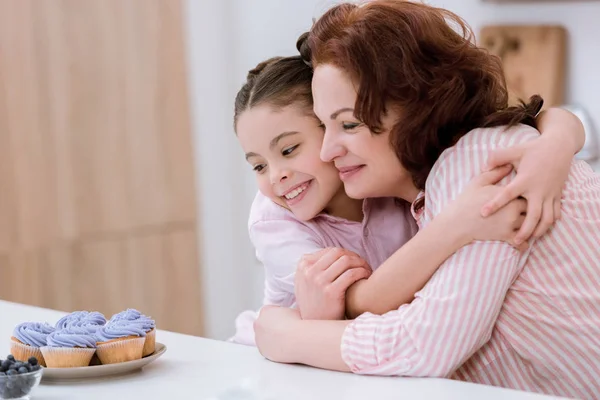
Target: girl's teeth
[(295, 193)]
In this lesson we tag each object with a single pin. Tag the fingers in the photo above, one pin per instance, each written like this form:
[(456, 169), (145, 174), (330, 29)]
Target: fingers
[(547, 219), (508, 193), (493, 176), (340, 266), (557, 212), (347, 279), (517, 224), (502, 157), (327, 259), (521, 247), (534, 213)]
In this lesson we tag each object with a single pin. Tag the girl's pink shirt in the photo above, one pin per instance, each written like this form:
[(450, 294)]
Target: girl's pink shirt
[(281, 239)]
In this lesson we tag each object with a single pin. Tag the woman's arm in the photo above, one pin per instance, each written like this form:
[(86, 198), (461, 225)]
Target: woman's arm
[(397, 280), (459, 306), (542, 165)]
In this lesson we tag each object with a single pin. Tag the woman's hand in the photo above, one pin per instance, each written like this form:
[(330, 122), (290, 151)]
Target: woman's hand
[(322, 279), (464, 211), (542, 167), (270, 329)]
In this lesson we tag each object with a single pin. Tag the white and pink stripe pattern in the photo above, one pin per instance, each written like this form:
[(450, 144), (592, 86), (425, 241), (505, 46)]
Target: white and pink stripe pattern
[(491, 315)]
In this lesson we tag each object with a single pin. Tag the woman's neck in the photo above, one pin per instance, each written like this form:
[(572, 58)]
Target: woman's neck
[(343, 206), (406, 190)]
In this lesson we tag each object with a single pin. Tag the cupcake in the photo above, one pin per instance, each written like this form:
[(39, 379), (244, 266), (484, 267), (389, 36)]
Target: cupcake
[(90, 320), (146, 323), (27, 339), (120, 341), (69, 348)]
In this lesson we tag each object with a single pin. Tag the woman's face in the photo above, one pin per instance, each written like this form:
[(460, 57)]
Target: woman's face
[(366, 162)]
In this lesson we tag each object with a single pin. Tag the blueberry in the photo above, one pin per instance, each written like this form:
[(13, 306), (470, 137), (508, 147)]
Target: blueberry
[(11, 357), (6, 364), (32, 361), (18, 364), (12, 367), (36, 368), (11, 372), (23, 370)]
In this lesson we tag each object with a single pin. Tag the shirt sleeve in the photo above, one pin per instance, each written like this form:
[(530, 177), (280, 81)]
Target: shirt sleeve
[(454, 314), (279, 246)]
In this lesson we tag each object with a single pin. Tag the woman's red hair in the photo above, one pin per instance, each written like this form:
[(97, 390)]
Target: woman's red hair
[(422, 60)]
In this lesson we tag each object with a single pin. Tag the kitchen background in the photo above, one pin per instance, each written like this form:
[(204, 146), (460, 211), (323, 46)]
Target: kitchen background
[(121, 181)]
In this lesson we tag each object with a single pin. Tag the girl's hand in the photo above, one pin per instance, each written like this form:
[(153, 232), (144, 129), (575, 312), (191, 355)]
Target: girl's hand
[(542, 167), (464, 212), (322, 279)]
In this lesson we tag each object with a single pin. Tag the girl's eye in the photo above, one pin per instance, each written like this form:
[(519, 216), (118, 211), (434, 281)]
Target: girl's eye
[(259, 167), (289, 150), (350, 125)]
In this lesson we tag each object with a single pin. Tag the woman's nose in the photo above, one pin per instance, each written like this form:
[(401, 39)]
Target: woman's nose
[(331, 148)]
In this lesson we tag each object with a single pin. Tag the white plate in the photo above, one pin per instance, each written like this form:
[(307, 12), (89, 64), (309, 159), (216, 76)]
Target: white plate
[(98, 371)]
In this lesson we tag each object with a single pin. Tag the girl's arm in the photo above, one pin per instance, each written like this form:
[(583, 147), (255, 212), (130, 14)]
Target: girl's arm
[(562, 126), (542, 169), (279, 245)]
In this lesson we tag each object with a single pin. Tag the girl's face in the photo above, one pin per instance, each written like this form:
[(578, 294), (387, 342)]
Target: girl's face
[(282, 146), (367, 163)]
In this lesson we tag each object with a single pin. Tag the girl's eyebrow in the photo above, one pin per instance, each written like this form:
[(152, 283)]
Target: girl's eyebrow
[(250, 154), (277, 138)]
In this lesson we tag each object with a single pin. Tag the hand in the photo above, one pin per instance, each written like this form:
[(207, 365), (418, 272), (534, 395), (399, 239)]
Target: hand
[(322, 279), (542, 169), (464, 211), (270, 330)]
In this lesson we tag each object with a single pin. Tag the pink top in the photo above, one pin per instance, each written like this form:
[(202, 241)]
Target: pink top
[(281, 239), (490, 315)]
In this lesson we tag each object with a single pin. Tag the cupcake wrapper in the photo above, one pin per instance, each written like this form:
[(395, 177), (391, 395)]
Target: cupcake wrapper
[(121, 350), (150, 343), (22, 352), (67, 357)]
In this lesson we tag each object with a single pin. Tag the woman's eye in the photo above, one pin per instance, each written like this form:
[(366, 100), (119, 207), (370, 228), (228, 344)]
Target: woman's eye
[(350, 125), (289, 150), (258, 167)]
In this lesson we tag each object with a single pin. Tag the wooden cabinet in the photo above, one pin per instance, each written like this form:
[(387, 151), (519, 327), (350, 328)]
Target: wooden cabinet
[(97, 198)]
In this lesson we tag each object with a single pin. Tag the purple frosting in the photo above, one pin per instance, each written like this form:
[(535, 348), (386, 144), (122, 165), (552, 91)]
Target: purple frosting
[(71, 337), (134, 317), (81, 318), (118, 329), (33, 333)]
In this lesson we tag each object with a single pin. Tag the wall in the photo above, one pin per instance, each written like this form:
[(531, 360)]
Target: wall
[(226, 38)]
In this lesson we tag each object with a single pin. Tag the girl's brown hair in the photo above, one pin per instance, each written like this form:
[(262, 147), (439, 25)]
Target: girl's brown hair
[(422, 60), (279, 82)]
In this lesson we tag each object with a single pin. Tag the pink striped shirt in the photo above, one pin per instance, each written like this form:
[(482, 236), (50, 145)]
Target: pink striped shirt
[(281, 239), (491, 315)]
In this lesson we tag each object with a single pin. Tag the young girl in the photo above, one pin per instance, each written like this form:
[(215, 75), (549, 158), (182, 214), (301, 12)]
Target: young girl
[(302, 208)]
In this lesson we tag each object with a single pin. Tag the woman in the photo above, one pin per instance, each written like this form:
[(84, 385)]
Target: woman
[(302, 208), (412, 109)]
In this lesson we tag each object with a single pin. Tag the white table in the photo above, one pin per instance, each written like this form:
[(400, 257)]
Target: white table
[(202, 369)]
